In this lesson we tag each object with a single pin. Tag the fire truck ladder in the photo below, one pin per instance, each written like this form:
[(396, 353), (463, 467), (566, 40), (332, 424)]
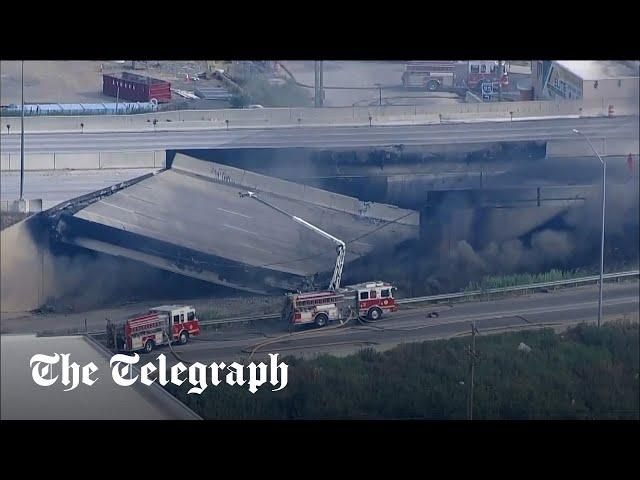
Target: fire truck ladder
[(340, 245)]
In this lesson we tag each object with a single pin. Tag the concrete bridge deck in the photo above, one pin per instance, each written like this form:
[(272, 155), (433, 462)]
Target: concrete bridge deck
[(326, 137)]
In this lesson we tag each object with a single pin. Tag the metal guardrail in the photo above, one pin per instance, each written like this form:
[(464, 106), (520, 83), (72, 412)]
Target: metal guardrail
[(447, 296), (240, 319), (401, 301), (515, 288)]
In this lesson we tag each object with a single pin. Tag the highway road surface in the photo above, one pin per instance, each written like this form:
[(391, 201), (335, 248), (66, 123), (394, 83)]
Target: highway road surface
[(56, 186), (617, 127), (554, 309)]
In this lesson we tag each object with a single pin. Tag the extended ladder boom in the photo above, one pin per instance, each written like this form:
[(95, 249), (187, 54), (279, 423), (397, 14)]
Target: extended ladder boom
[(341, 246)]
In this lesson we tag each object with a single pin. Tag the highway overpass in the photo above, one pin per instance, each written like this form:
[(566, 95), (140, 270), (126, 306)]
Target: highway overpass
[(325, 137)]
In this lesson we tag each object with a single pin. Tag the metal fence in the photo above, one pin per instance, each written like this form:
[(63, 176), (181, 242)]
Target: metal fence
[(402, 301)]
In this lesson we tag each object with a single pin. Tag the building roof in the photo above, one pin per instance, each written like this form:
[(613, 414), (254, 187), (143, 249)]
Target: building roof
[(23, 399), (600, 69)]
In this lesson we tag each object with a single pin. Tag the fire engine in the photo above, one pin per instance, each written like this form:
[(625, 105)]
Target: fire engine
[(435, 75), (487, 71), (159, 326), (370, 299), (429, 75)]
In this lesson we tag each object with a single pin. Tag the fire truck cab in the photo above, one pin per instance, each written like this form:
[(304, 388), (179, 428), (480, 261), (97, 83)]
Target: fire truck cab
[(481, 71), (373, 298), (159, 326)]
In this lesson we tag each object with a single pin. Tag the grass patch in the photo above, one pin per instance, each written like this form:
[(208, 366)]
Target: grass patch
[(502, 281), (211, 315), (585, 373)]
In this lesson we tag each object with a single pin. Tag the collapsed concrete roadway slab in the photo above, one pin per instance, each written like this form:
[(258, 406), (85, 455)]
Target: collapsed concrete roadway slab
[(190, 219)]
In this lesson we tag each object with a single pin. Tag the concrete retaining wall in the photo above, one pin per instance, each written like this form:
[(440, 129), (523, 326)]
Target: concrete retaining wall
[(280, 117), (84, 161)]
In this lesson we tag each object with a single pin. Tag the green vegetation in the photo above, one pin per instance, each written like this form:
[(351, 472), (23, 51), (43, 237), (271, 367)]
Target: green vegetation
[(585, 373), (502, 281), (259, 91), (210, 315)]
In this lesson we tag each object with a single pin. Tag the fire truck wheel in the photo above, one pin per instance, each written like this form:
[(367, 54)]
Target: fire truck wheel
[(375, 314), (148, 347), (321, 320), (184, 338), (432, 85)]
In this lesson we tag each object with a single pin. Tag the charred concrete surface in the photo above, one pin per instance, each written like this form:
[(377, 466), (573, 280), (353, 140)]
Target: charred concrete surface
[(190, 220)]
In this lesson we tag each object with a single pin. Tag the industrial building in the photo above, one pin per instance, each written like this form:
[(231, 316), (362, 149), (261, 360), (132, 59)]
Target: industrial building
[(585, 79)]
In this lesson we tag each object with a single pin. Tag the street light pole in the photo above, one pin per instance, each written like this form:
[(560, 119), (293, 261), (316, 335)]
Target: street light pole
[(604, 197), (22, 137)]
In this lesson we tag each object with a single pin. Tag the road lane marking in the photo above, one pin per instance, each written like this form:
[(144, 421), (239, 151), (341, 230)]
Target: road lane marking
[(255, 248), (238, 228), (234, 213)]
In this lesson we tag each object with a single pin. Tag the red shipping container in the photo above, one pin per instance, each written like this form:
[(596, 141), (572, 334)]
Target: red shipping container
[(136, 88)]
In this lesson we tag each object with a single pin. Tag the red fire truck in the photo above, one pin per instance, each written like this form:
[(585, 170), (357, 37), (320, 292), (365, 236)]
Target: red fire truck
[(435, 75), (431, 75), (145, 332), (487, 71), (369, 300)]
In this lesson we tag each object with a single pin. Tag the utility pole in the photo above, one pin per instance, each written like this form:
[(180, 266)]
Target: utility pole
[(321, 84), (473, 359), (22, 138), (319, 89), (603, 205), (316, 84), (500, 73)]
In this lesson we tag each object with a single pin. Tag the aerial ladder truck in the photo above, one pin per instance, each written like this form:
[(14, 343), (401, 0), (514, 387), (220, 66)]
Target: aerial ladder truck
[(368, 299)]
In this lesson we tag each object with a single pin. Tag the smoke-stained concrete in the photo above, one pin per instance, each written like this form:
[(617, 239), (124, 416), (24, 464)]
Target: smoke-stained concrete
[(464, 235), (36, 272), (23, 256)]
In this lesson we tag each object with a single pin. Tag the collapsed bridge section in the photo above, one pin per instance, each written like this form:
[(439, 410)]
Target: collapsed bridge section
[(190, 219)]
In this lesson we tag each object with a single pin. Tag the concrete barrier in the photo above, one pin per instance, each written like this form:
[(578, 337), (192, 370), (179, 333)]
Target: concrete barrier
[(392, 213), (285, 117), (85, 161), (77, 161), (34, 161), (126, 160), (159, 159)]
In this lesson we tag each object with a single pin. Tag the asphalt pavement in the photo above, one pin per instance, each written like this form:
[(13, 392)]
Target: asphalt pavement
[(326, 137), (553, 309), (56, 186)]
